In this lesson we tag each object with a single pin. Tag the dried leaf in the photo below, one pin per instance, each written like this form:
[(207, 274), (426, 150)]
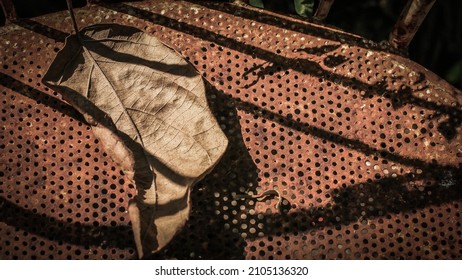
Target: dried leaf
[(147, 105)]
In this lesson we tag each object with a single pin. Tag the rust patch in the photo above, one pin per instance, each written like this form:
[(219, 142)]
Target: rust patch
[(363, 145)]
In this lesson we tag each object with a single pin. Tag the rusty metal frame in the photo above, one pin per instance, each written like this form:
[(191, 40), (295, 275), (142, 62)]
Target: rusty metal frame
[(9, 10), (409, 22), (323, 9)]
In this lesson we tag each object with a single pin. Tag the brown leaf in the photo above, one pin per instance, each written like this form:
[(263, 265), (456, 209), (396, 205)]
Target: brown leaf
[(147, 105)]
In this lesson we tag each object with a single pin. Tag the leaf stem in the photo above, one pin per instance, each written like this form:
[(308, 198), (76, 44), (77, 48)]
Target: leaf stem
[(71, 12)]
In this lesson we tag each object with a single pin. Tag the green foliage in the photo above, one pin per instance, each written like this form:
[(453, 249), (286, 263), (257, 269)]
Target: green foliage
[(454, 74), (257, 3), (304, 8)]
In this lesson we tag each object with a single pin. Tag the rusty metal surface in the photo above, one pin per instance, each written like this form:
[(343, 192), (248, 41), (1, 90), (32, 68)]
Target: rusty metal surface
[(363, 145)]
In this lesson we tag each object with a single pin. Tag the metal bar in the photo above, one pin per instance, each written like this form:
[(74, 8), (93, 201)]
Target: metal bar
[(323, 9), (409, 22), (8, 10)]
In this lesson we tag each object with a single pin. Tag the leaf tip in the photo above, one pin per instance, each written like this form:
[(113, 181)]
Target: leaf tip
[(134, 214)]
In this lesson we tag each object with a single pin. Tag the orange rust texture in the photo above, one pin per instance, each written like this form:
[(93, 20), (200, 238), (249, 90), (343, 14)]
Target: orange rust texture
[(363, 145)]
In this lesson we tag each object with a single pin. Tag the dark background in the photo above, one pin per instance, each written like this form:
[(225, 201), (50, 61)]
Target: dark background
[(437, 45)]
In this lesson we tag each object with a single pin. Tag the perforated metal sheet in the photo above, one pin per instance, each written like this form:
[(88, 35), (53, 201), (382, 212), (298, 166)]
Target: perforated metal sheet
[(363, 145)]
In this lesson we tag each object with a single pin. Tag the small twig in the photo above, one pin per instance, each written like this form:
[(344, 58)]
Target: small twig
[(71, 12), (262, 195)]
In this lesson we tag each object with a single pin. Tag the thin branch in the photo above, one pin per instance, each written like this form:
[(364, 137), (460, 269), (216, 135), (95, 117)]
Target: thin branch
[(71, 12)]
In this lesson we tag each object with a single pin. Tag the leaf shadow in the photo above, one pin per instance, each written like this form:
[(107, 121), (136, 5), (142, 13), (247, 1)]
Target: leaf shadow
[(398, 98), (399, 197), (119, 236), (319, 51), (84, 235), (104, 51), (41, 29), (262, 72), (367, 201), (354, 144), (303, 27), (304, 66), (355, 203), (361, 201), (206, 236)]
